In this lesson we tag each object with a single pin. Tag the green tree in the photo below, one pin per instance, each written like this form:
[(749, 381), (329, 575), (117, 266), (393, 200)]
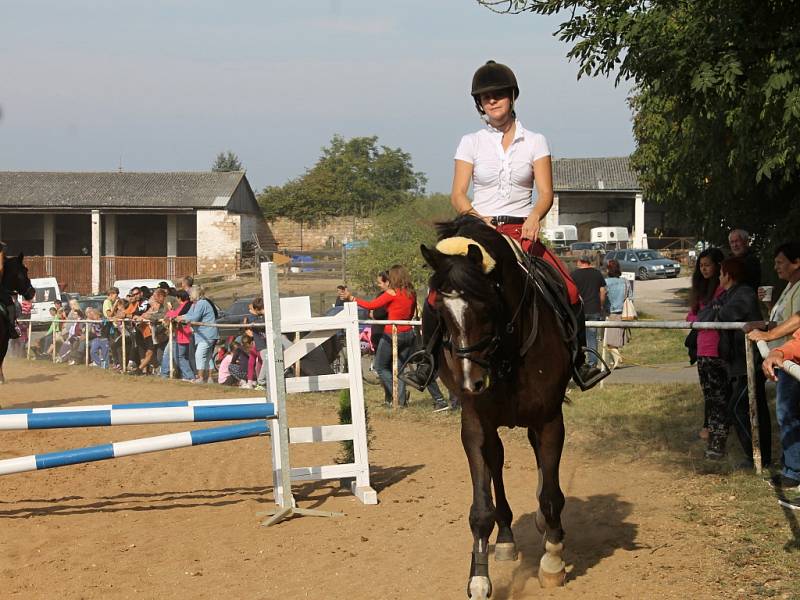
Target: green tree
[(716, 102), (352, 177), (395, 238), (226, 161)]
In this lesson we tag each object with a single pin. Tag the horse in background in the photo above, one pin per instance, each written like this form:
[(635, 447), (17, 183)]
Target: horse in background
[(14, 280), (504, 354)]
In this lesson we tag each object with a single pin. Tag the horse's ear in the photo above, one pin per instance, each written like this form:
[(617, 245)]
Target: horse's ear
[(475, 254), (429, 255)]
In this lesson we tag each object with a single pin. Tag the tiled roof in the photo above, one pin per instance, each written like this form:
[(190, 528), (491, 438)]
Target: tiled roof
[(183, 190), (587, 174)]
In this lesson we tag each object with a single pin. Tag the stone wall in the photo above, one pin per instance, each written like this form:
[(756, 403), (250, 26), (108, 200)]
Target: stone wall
[(218, 241), (291, 235)]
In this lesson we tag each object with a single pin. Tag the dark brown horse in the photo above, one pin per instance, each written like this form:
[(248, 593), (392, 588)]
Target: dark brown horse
[(15, 280), (504, 354)]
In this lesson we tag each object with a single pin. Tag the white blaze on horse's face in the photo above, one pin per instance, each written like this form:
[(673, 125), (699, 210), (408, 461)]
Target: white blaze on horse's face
[(457, 307)]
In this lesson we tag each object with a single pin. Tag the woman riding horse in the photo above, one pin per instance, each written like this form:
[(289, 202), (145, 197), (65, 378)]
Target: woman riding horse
[(504, 161)]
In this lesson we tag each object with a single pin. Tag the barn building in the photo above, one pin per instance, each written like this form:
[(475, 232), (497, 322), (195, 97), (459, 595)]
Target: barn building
[(90, 229), (603, 192)]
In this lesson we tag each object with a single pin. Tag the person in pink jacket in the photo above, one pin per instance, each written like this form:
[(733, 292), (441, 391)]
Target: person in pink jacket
[(182, 340)]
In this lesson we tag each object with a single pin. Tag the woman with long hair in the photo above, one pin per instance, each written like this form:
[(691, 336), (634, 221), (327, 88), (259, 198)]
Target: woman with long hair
[(711, 368), (736, 303), (618, 289), (399, 299)]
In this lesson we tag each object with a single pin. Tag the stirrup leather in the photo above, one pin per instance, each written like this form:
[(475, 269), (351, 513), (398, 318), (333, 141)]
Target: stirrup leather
[(604, 372), (419, 370)]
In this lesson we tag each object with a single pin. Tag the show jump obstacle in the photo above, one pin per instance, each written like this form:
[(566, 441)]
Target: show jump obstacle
[(288, 315)]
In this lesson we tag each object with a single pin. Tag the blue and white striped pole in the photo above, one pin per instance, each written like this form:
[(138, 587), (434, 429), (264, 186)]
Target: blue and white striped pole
[(198, 437), (172, 404), (135, 416)]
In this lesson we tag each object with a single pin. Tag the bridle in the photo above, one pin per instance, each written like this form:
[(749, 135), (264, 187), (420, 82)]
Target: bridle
[(488, 345), (484, 347)]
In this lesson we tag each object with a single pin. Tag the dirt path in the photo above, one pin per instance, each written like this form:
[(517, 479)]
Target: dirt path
[(182, 524)]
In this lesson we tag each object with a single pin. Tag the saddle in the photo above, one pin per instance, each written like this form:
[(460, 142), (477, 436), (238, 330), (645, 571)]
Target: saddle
[(549, 284)]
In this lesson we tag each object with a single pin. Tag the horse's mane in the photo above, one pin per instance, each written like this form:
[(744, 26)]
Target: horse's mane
[(464, 275)]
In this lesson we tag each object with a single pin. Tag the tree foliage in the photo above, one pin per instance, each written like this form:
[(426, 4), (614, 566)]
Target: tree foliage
[(716, 102), (352, 177), (395, 238), (226, 161)]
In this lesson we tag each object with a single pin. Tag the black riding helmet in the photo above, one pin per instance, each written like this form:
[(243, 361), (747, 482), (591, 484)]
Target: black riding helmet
[(493, 77)]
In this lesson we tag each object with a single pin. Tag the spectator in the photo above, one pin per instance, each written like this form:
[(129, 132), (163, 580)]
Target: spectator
[(617, 290), (98, 338), (186, 283), (739, 242), (592, 288), (399, 299), (108, 304), (181, 340), (785, 319), (205, 335), (711, 369), (239, 362), (152, 333), (50, 338), (737, 302), (223, 374), (256, 367), (788, 408)]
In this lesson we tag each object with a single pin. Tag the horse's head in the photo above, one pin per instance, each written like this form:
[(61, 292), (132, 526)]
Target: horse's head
[(470, 307), (15, 277)]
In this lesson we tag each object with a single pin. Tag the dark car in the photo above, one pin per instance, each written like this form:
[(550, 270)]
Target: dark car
[(91, 302), (236, 312), (587, 246), (646, 264)]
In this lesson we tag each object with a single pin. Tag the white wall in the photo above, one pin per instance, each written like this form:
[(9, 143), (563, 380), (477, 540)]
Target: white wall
[(219, 236)]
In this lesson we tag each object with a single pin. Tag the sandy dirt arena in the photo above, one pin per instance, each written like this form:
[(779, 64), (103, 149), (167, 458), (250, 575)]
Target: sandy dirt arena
[(183, 524)]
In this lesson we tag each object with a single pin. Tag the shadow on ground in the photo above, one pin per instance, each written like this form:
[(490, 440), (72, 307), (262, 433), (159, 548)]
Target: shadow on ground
[(595, 528)]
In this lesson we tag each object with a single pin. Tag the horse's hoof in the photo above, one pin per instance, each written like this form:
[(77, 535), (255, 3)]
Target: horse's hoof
[(552, 580), (541, 524), (505, 551), (479, 588)]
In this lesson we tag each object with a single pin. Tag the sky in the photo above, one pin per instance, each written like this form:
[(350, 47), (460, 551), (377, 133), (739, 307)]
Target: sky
[(166, 85)]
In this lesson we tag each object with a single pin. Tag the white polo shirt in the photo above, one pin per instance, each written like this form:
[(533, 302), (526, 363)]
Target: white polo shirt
[(502, 180)]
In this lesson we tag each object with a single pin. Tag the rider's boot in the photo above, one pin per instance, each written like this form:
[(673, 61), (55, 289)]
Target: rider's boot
[(420, 368), (584, 374), (13, 328)]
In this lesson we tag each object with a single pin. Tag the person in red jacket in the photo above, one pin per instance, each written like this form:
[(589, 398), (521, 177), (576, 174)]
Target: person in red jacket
[(400, 300)]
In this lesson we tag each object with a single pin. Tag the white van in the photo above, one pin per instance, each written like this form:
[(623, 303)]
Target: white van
[(614, 238), (561, 235), (126, 285), (47, 290)]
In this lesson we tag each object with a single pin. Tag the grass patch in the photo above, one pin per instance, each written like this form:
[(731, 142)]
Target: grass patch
[(655, 346)]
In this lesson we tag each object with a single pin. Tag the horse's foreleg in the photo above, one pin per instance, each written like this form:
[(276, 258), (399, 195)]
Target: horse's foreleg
[(505, 548), (547, 443), (482, 513)]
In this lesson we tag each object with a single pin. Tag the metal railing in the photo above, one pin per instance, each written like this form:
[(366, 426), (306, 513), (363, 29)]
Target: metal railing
[(788, 366)]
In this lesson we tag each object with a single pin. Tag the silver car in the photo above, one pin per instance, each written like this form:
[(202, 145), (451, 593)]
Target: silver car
[(646, 264)]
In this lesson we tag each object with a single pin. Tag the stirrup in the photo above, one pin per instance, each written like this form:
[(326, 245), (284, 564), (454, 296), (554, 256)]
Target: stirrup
[(594, 379), (419, 370)]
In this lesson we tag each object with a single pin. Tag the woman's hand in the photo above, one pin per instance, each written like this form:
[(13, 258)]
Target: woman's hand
[(774, 360), (755, 326), (530, 228)]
